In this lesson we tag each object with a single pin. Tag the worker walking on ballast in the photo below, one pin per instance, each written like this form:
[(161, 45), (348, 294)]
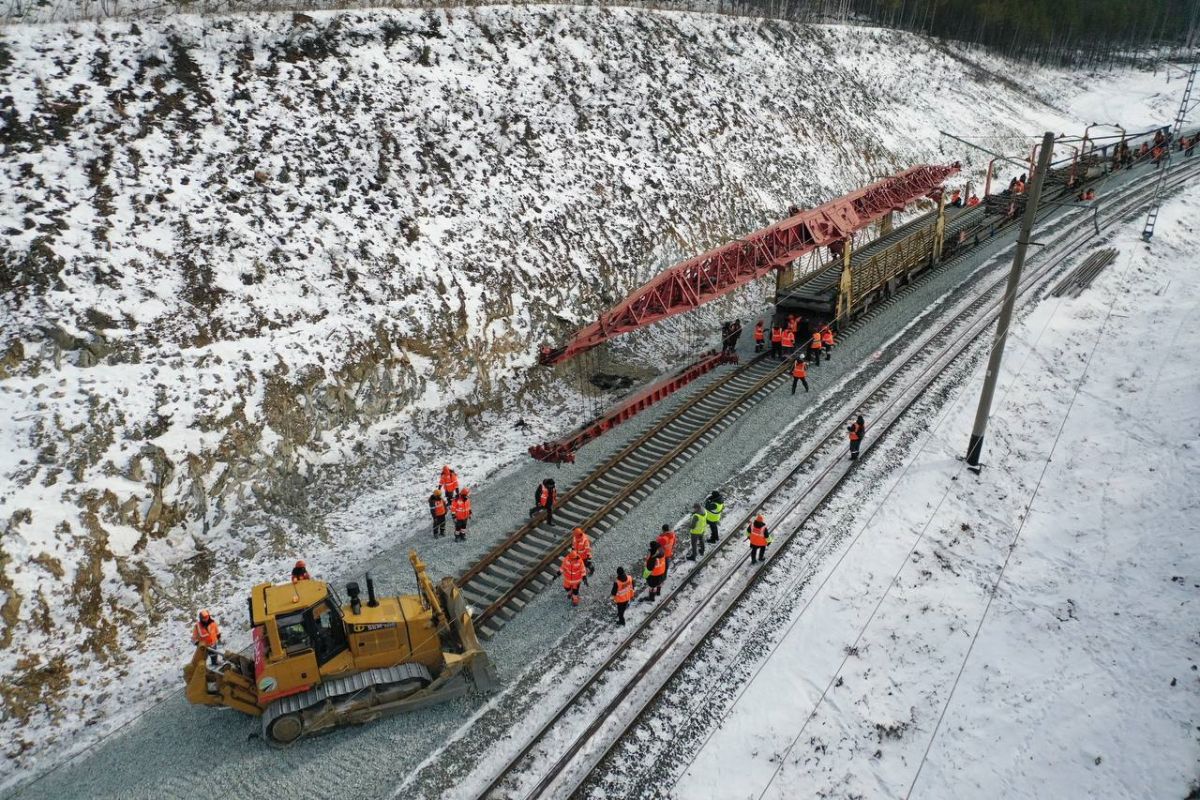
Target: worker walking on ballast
[(814, 348), (799, 374), (827, 341), (759, 537), (622, 594), (697, 531), (759, 336), (666, 541), (714, 506), (583, 545), (460, 509), (776, 341), (573, 573), (437, 510), (654, 573), (855, 430), (545, 496)]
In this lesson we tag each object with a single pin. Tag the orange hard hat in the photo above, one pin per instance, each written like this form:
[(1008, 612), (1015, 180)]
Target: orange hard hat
[(760, 518), (204, 615), (300, 564), (445, 467), (438, 492), (577, 530), (465, 491)]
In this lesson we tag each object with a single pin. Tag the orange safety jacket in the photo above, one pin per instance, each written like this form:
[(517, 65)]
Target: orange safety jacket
[(572, 570), (827, 337), (666, 540), (789, 338), (799, 370), (207, 635), (793, 322), (546, 498), (757, 533), (437, 507), (449, 481), (776, 334), (974, 201), (816, 340), (624, 591), (460, 508), (853, 431), (758, 332), (656, 565), (582, 545)]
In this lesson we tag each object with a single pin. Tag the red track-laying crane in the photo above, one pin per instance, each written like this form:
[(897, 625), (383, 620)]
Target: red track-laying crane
[(706, 277)]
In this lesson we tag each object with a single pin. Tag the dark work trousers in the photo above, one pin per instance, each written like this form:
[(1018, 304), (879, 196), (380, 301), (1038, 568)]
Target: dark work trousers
[(439, 525), (549, 513), (854, 445), (758, 346), (621, 612), (828, 353), (799, 380), (697, 542), (814, 355), (776, 349), (712, 532), (460, 529), (758, 552)]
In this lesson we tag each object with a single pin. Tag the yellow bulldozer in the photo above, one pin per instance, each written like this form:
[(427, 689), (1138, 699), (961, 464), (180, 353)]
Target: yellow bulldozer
[(318, 664)]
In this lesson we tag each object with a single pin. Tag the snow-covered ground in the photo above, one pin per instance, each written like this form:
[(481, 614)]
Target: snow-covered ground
[(252, 263), (1026, 633)]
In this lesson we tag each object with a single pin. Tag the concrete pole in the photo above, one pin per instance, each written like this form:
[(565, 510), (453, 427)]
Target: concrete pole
[(1009, 301)]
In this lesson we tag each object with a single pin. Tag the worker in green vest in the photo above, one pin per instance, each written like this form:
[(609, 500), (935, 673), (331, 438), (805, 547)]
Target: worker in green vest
[(697, 531), (713, 506)]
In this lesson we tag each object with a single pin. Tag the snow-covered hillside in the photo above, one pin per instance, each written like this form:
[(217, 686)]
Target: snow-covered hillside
[(244, 256)]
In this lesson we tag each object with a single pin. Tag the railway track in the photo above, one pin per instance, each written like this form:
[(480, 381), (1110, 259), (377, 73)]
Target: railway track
[(508, 577), (608, 707)]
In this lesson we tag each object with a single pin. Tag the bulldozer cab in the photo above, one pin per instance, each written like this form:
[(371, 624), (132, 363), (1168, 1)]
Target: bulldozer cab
[(318, 628)]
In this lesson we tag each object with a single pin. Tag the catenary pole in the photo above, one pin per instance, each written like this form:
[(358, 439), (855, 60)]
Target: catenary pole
[(1009, 301)]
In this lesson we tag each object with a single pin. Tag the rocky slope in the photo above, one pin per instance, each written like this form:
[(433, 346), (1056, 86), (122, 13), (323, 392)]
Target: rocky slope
[(242, 257)]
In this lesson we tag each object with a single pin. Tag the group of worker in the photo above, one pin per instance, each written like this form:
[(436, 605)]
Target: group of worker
[(207, 632), (450, 499), (956, 199)]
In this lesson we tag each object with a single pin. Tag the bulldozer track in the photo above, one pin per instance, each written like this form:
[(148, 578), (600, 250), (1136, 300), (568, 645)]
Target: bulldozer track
[(604, 710)]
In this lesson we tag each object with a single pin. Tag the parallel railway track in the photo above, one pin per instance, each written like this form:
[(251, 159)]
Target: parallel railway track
[(607, 707)]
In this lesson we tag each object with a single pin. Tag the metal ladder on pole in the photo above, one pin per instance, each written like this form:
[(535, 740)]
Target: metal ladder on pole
[(1164, 166)]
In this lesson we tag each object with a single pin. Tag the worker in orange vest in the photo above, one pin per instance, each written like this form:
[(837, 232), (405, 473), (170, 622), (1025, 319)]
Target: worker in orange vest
[(300, 572), (814, 348), (622, 593), (789, 341), (799, 374), (792, 323), (449, 482), (437, 510), (666, 541), (460, 509), (654, 573), (573, 573), (545, 497), (972, 201), (855, 434), (759, 336), (827, 341), (206, 631), (759, 538), (776, 341), (583, 546)]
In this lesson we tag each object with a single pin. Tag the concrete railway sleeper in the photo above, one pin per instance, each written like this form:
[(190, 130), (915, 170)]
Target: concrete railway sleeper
[(605, 715)]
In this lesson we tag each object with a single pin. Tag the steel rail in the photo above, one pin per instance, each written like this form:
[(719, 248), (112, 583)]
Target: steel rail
[(885, 384)]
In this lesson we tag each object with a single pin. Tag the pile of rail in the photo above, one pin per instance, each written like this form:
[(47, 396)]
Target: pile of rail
[(1080, 278)]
